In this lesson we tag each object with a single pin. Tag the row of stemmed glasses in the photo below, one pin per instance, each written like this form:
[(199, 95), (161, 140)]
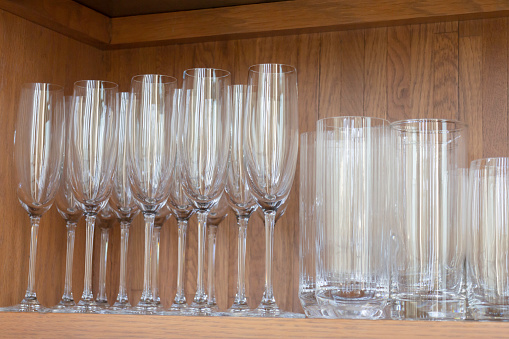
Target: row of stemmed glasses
[(268, 162)]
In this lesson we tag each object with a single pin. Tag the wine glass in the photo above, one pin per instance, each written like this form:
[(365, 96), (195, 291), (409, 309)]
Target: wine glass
[(93, 146), (106, 220), (162, 215), (205, 145), (38, 159), (270, 150), (122, 200), (216, 215), (67, 207), (152, 151), (238, 195)]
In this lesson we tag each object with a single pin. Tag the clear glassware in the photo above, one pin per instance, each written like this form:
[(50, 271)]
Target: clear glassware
[(270, 154), (428, 280), (205, 145), (216, 215), (162, 215), (183, 209), (307, 222), (352, 199), (68, 208), (93, 145), (39, 141), (105, 221), (152, 150), (122, 200), (487, 243), (238, 195)]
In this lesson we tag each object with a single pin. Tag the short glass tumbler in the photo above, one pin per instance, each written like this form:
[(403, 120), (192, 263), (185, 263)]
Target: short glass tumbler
[(487, 240), (430, 182), (352, 195)]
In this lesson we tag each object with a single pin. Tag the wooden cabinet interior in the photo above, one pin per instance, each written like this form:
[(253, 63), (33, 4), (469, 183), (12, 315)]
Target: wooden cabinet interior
[(451, 69)]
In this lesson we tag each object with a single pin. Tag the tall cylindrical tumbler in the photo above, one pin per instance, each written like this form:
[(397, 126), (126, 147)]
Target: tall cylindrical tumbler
[(307, 222), (428, 231), (488, 240), (352, 189)]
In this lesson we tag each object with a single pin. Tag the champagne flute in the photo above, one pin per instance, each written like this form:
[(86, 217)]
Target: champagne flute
[(182, 208), (162, 215), (38, 159), (205, 145), (122, 200), (271, 149), (238, 195), (216, 215), (106, 219), (152, 151), (67, 207), (93, 146)]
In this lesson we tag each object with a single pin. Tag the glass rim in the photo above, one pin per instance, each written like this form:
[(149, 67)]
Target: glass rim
[(477, 162), (291, 69), (109, 84), (398, 125), (225, 74), (52, 87), (353, 117), (170, 78)]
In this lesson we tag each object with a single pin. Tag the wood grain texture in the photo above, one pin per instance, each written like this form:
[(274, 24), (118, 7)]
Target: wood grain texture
[(107, 326), (64, 16), (306, 16)]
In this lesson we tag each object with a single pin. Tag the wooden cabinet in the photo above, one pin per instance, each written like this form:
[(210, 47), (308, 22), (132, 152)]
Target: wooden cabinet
[(385, 58)]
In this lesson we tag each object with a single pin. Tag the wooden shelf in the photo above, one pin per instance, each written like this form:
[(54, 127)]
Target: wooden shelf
[(103, 325), (264, 19)]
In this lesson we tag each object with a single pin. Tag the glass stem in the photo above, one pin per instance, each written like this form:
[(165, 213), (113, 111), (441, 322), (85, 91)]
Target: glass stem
[(180, 297), (146, 296), (105, 234), (124, 243), (156, 238), (211, 265), (71, 232), (87, 295), (268, 294), (240, 297), (30, 292), (201, 296)]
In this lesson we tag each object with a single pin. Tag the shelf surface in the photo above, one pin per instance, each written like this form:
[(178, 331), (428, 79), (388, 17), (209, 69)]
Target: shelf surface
[(99, 325)]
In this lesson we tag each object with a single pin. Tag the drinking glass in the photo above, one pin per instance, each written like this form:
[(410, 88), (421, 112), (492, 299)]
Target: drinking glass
[(152, 150), (38, 159), (270, 153), (428, 280), (122, 200), (352, 198), (68, 208), (238, 195), (162, 215), (93, 146), (307, 222), (487, 240), (183, 209), (205, 146), (216, 215), (106, 220)]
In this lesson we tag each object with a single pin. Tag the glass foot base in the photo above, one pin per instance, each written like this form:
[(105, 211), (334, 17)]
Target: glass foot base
[(65, 306), (273, 311), (26, 305), (199, 309), (86, 306), (179, 309), (239, 310), (143, 308), (120, 307)]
